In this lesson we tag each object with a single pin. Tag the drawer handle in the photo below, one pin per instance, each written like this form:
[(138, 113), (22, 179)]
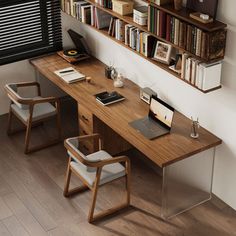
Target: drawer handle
[(84, 118)]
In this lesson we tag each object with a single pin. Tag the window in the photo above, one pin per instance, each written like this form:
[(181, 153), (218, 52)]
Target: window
[(29, 28)]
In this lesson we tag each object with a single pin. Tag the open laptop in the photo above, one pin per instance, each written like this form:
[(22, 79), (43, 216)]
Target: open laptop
[(158, 122)]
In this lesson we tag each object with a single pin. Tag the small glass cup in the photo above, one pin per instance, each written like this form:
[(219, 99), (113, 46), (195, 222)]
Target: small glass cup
[(194, 128)]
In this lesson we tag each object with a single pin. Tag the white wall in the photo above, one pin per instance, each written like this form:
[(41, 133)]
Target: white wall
[(216, 110), (15, 72)]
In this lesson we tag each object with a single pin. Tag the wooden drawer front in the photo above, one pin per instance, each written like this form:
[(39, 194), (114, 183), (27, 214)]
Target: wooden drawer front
[(85, 116)]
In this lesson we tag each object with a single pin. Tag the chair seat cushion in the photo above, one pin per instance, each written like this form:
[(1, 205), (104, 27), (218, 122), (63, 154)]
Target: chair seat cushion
[(109, 172), (41, 110)]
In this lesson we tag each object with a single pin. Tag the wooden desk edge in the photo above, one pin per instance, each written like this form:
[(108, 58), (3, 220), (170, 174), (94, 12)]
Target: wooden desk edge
[(191, 154)]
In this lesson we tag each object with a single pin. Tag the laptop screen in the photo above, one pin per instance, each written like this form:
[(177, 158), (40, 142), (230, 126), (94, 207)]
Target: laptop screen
[(161, 112)]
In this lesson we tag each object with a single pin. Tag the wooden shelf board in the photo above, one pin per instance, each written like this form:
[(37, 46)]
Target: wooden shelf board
[(159, 64), (183, 14)]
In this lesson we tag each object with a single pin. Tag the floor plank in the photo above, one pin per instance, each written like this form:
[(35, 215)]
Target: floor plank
[(14, 227), (23, 215), (3, 230), (4, 210)]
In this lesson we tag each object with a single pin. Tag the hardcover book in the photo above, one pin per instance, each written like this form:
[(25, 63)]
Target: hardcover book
[(106, 98)]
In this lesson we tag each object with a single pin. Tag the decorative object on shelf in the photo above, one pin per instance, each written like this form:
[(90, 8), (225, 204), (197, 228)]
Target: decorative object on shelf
[(123, 7), (162, 52), (178, 4), (194, 128), (203, 18), (140, 15), (146, 94), (118, 81), (177, 66), (208, 7)]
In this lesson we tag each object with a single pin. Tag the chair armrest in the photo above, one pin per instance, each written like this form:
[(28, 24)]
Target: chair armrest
[(27, 84), (89, 136), (43, 100), (114, 160)]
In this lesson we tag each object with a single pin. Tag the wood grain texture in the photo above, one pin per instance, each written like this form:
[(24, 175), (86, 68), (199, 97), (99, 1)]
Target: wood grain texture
[(163, 151), (14, 227)]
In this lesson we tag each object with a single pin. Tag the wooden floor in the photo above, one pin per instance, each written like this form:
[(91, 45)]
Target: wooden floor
[(31, 200)]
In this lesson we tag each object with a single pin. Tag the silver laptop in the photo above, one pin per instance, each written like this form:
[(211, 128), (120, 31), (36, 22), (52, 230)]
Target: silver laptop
[(158, 122)]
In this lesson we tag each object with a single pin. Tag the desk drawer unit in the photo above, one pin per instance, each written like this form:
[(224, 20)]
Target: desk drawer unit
[(85, 116), (85, 127)]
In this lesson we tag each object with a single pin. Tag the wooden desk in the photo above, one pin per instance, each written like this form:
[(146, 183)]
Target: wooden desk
[(164, 151)]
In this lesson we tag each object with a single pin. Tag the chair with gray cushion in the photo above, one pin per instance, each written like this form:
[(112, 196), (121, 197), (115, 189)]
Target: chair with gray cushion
[(94, 170), (32, 111)]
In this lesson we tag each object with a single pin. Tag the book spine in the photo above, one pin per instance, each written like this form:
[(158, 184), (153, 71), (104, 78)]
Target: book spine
[(203, 45), (172, 34), (198, 43), (162, 24), (181, 34), (168, 27), (176, 34), (149, 18), (189, 38), (183, 67), (184, 35), (157, 32)]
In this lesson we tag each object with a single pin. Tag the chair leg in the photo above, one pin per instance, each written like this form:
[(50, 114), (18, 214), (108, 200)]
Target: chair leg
[(67, 180), (59, 126), (113, 209), (94, 197), (9, 121), (27, 136), (128, 181)]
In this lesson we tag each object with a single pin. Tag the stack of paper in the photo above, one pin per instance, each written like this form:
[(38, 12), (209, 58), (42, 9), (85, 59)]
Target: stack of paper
[(70, 75)]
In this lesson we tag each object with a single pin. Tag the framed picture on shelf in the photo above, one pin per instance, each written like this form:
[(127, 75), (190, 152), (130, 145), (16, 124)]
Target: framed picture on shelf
[(162, 52)]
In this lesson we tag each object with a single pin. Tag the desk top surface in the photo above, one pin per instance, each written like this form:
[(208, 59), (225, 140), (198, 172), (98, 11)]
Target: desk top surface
[(164, 150)]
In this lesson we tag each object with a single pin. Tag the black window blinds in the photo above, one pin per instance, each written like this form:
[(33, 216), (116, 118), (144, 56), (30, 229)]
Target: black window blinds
[(29, 28)]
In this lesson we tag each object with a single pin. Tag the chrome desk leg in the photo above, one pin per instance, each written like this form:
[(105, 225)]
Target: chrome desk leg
[(187, 183)]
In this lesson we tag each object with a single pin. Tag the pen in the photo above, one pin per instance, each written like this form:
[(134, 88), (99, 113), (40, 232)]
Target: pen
[(66, 71)]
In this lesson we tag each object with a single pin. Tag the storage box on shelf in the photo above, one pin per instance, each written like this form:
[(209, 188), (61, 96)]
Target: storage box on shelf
[(142, 39)]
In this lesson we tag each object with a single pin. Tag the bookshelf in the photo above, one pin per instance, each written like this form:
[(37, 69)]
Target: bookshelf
[(169, 9)]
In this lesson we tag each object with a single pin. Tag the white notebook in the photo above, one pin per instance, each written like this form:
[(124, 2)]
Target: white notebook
[(70, 75)]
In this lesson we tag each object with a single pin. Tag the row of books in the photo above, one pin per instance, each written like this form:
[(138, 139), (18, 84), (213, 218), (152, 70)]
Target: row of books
[(132, 36), (187, 36), (202, 75)]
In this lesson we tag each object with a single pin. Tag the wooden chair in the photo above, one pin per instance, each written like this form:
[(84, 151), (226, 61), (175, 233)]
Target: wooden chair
[(94, 170), (32, 111)]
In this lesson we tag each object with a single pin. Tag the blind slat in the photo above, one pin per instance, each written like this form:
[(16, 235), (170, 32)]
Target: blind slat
[(29, 28)]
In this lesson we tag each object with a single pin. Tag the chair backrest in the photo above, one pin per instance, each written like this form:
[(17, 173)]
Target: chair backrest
[(15, 97), (74, 144)]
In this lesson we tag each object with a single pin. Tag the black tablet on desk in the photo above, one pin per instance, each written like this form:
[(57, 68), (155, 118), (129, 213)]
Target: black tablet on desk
[(106, 98)]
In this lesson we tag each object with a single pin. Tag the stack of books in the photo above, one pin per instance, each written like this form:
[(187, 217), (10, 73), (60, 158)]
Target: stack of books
[(203, 76), (106, 98)]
